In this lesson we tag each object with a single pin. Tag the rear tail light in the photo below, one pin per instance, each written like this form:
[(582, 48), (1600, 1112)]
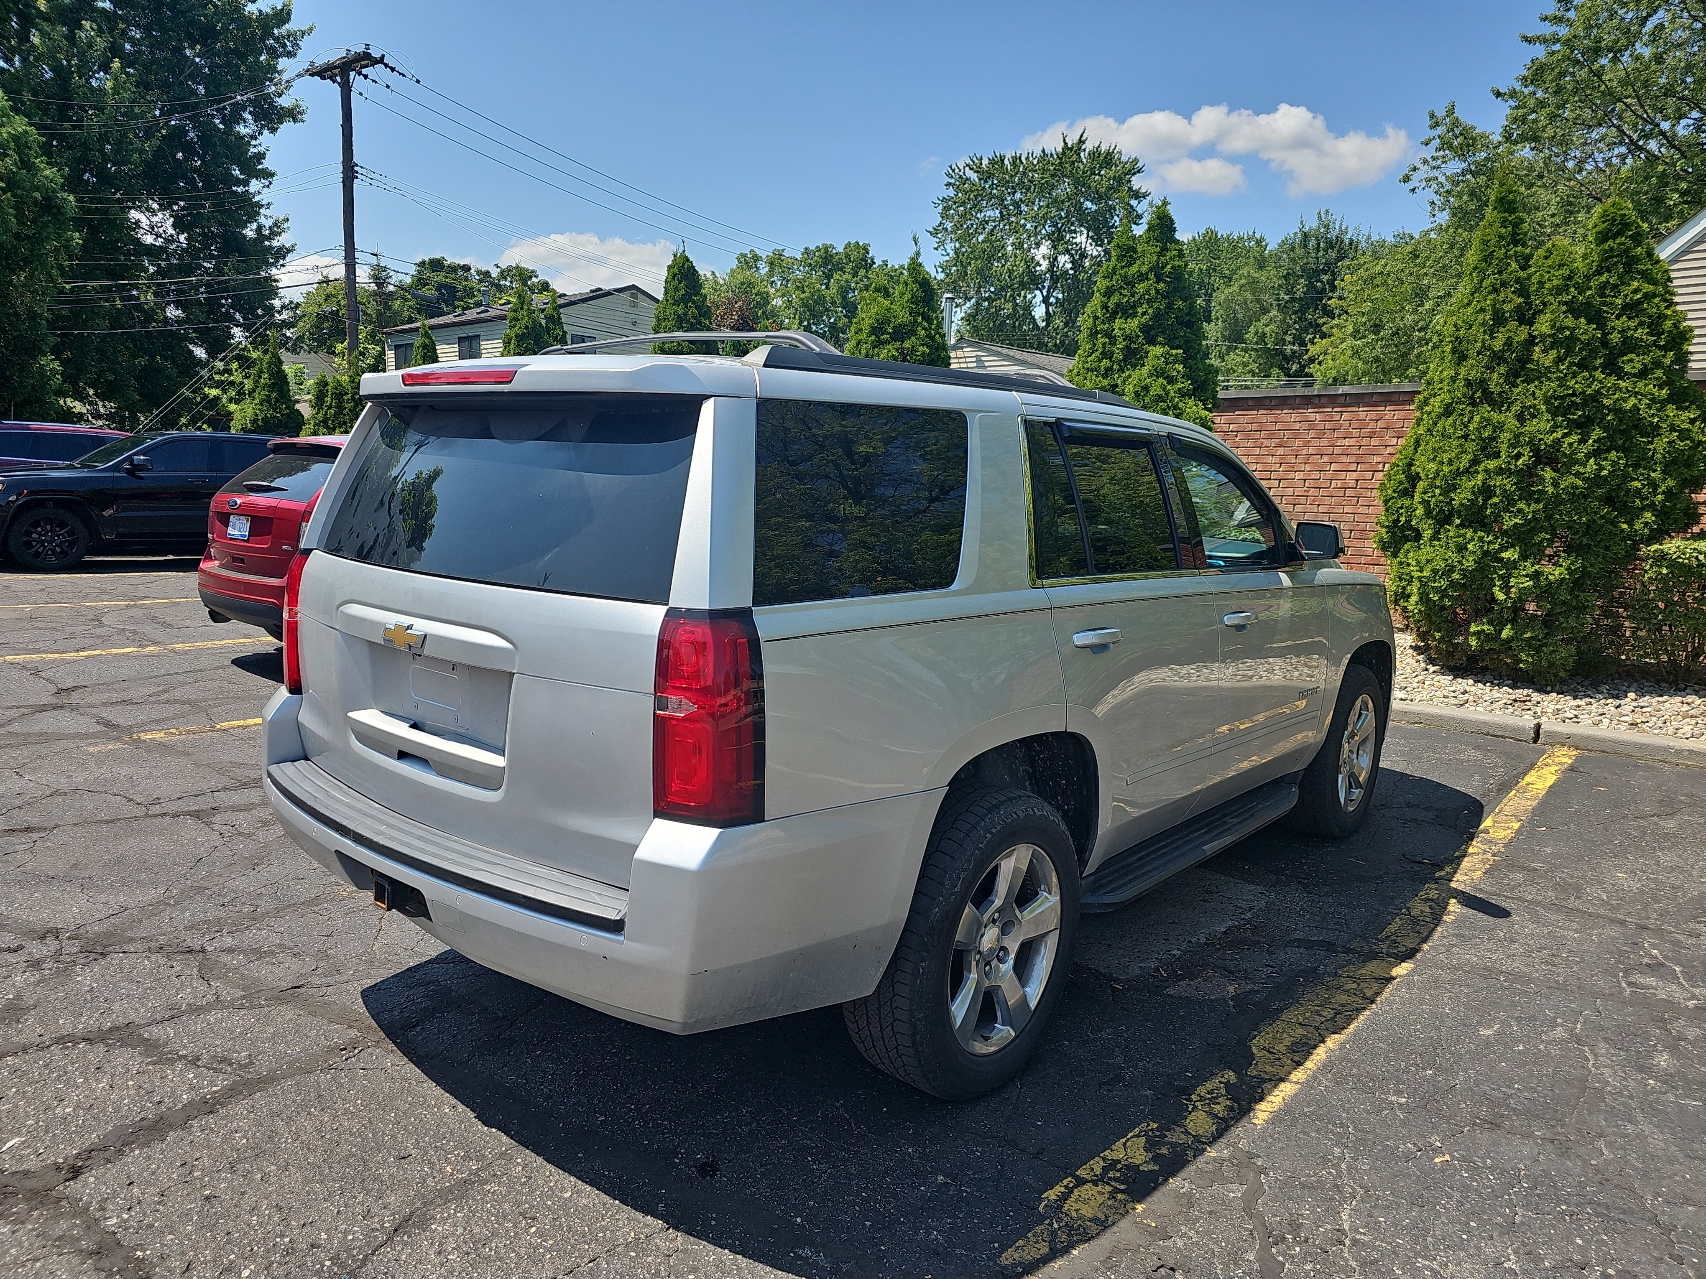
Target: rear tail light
[(292, 641), (708, 721)]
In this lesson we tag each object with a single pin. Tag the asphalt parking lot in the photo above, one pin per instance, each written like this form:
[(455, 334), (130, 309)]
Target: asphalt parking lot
[(1375, 1057)]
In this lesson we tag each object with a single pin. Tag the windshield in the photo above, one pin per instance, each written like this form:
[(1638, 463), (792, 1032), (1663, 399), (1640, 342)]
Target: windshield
[(113, 450), (575, 493), (295, 477)]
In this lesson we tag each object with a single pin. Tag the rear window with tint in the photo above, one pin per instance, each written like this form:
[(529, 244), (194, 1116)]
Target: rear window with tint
[(293, 478), (580, 494), (855, 500)]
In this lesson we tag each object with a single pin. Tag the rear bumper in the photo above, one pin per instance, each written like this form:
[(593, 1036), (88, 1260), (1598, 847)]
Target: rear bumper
[(716, 927), (258, 601)]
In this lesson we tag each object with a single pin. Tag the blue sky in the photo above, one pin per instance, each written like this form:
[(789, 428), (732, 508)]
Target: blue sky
[(764, 124)]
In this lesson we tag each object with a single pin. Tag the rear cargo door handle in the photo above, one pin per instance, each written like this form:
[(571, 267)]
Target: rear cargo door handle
[(1237, 621), (391, 736), (1098, 638)]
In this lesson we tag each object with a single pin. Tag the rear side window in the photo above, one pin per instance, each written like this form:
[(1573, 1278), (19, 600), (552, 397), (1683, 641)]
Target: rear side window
[(856, 500), (1099, 507), (16, 444), (580, 494), (295, 478), (62, 446)]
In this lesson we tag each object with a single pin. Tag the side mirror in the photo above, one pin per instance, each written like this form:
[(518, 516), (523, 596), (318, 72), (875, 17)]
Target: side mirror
[(1319, 541), (136, 465)]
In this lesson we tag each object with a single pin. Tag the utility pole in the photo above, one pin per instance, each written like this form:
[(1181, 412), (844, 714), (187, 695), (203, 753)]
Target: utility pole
[(341, 69)]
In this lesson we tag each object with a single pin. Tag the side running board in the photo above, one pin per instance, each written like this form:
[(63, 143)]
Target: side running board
[(1126, 876)]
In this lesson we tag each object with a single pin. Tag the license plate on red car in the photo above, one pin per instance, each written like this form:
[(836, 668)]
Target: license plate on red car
[(238, 529)]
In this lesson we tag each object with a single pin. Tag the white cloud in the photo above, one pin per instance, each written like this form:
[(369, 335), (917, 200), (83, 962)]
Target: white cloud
[(1212, 176), (578, 260), (1293, 140)]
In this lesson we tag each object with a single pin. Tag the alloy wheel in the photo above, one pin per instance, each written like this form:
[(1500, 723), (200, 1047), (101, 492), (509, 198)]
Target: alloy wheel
[(1356, 753), (51, 538), (1004, 949)]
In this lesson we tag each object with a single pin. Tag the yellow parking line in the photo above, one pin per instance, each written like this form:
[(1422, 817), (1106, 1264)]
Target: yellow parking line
[(141, 648), (166, 734), (183, 599), (1285, 1052)]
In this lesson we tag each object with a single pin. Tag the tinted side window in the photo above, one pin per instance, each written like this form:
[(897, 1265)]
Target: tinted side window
[(63, 446), (182, 454), (855, 500), (1233, 517), (1125, 513), (15, 444), (1058, 545), (1099, 508)]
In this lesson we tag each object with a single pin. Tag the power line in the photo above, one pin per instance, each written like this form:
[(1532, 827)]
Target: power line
[(671, 231), (496, 223), (573, 177)]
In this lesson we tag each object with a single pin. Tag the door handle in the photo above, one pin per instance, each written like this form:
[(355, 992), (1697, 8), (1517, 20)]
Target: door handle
[(1099, 638), (1238, 621)]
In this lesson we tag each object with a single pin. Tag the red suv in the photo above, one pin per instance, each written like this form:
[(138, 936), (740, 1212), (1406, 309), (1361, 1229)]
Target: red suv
[(254, 527)]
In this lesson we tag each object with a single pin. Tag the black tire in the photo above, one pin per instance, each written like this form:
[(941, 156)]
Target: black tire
[(48, 539), (905, 1027), (1324, 805)]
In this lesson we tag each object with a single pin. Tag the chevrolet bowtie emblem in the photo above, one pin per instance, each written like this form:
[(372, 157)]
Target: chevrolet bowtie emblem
[(402, 635)]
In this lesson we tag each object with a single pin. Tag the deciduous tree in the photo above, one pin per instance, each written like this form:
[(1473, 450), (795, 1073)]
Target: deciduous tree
[(38, 240), (1023, 236), (158, 116)]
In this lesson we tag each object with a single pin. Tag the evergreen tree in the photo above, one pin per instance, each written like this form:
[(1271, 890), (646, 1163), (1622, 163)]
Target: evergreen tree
[(1554, 437), (267, 408), (319, 392), (551, 317), (1443, 493), (524, 334), (901, 320), (683, 308), (1144, 302), (426, 349)]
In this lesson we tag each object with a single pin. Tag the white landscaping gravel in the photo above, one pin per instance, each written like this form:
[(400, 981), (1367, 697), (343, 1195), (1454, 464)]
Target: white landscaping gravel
[(1614, 702)]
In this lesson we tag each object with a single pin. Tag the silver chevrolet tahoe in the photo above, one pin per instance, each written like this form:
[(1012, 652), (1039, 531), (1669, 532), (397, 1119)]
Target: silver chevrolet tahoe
[(700, 690)]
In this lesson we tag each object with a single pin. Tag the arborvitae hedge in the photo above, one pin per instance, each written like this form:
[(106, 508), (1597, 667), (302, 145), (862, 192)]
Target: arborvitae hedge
[(683, 308), (268, 408), (1142, 333), (1555, 435), (426, 349), (524, 332)]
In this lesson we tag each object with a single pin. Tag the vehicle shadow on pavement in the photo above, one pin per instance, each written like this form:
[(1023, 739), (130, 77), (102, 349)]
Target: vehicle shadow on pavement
[(268, 664), (778, 1142), (120, 567)]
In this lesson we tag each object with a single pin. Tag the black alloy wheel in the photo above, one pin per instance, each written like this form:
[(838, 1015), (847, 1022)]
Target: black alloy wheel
[(48, 539)]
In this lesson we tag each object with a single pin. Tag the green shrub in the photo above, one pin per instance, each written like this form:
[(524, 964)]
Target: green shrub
[(1555, 436), (1666, 613)]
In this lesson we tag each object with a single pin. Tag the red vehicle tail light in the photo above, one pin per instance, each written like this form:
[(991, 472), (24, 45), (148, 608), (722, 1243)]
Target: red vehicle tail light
[(460, 377), (708, 719), (292, 641)]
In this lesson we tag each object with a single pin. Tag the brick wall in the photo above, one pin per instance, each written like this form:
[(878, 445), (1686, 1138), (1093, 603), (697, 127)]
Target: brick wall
[(1321, 452)]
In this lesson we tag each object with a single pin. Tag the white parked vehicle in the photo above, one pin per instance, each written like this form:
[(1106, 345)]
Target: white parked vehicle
[(702, 690)]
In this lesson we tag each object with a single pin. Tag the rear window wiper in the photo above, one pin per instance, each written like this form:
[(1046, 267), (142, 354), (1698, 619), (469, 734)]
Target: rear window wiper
[(264, 486)]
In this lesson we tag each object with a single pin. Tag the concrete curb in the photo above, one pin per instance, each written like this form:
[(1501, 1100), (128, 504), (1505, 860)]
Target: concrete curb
[(1604, 741), (1617, 741), (1510, 727)]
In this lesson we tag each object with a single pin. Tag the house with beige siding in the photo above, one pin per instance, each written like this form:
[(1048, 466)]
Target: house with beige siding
[(1684, 252), (479, 333)]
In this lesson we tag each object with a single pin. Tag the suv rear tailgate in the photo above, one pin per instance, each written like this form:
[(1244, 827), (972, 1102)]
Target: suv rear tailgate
[(448, 673)]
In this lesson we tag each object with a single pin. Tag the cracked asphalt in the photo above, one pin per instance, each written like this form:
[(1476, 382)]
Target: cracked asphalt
[(216, 1061)]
